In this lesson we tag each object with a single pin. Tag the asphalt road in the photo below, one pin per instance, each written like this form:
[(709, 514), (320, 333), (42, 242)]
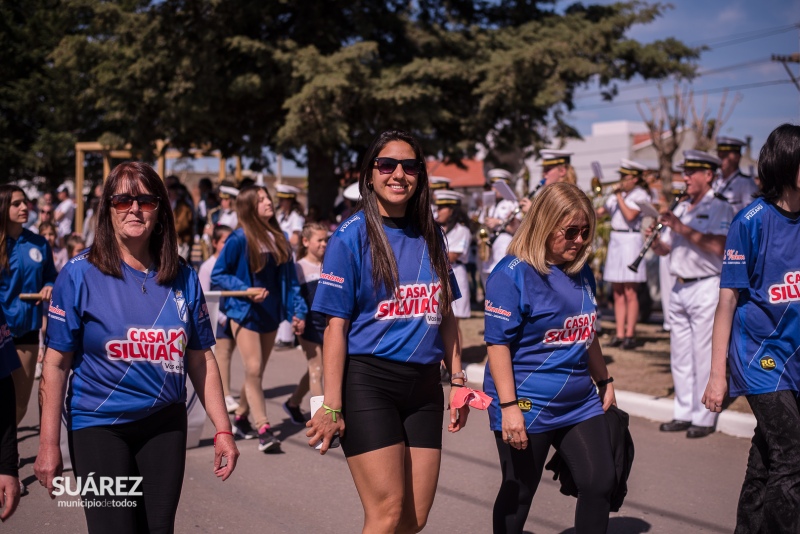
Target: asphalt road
[(677, 485)]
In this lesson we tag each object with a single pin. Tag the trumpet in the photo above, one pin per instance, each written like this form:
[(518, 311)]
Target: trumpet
[(598, 186), (656, 230)]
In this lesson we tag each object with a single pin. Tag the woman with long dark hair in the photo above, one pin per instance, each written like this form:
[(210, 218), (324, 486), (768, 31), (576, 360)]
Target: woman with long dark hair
[(257, 257), (129, 319), (756, 332), (26, 266), (387, 290)]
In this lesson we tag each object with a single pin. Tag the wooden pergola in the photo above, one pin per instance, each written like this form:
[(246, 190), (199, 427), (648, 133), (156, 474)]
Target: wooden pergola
[(162, 154)]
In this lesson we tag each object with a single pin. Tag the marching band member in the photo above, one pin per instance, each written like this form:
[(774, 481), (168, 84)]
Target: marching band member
[(695, 240), (623, 248), (557, 167), (495, 217), (437, 183), (225, 214), (452, 219), (737, 188)]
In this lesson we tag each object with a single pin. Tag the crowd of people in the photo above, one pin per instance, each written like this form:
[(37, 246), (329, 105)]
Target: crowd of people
[(374, 301)]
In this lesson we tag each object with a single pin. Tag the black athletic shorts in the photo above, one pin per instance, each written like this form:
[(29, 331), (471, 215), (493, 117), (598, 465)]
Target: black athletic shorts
[(28, 338), (387, 402)]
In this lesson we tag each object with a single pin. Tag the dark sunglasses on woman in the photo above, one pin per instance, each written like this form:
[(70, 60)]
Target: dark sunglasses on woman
[(125, 202), (388, 165), (571, 233)]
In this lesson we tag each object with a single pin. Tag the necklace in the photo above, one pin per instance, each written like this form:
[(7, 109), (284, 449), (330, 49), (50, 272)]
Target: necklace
[(146, 274)]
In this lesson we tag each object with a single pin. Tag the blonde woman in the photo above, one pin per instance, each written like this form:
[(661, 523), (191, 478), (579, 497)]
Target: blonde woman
[(545, 360), (257, 256)]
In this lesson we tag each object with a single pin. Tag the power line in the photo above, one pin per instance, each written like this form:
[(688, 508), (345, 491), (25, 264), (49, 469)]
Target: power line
[(740, 37), (620, 103)]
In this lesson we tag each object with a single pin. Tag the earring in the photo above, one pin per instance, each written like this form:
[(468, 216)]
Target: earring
[(369, 186), (159, 229)]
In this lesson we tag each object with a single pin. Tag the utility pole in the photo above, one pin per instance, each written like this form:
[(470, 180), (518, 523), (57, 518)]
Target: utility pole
[(791, 58)]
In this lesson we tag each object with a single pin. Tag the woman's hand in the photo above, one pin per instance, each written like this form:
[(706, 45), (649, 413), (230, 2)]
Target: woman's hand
[(258, 294), (715, 392), (9, 495), (513, 428), (607, 396), (458, 416), (48, 465), (225, 447), (46, 293), (322, 427), (298, 325)]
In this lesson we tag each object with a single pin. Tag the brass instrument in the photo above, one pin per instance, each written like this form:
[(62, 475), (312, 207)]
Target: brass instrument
[(484, 248), (512, 215), (656, 230), (598, 186)]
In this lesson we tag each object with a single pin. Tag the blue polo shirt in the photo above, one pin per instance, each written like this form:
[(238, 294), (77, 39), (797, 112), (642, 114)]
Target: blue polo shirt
[(31, 268)]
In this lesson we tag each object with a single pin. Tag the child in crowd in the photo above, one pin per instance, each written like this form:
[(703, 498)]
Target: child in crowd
[(75, 244), (48, 231), (314, 239), (225, 341)]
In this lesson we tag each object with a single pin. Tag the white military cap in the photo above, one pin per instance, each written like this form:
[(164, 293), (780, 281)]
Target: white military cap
[(499, 174), (555, 157), (697, 159), (447, 197), (286, 191), (351, 192), (627, 166), (439, 182), (729, 144), (226, 191)]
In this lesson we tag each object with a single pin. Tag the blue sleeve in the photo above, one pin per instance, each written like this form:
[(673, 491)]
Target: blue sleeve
[(64, 324), (202, 336), (454, 285), (504, 311), (295, 305), (224, 275), (739, 256), (339, 279), (49, 273)]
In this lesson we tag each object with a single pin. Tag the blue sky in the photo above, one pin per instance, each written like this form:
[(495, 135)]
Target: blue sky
[(717, 23)]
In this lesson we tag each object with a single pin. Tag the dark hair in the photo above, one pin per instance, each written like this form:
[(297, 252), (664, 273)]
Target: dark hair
[(219, 231), (48, 224), (259, 234), (6, 193), (418, 211), (105, 253), (73, 242), (779, 161)]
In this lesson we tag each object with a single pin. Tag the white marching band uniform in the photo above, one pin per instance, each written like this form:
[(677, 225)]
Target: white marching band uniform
[(626, 239), (458, 240), (738, 188)]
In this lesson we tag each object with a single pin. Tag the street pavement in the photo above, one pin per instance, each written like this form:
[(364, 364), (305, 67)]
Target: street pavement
[(677, 485)]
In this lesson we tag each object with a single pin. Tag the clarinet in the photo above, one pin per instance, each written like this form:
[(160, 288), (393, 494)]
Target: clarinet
[(513, 214), (656, 230)]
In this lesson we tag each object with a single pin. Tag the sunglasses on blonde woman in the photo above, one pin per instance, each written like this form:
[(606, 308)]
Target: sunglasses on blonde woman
[(571, 233), (388, 165), (125, 202)]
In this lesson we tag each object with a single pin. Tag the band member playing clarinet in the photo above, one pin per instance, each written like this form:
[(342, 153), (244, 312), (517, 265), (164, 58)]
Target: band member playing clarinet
[(695, 236)]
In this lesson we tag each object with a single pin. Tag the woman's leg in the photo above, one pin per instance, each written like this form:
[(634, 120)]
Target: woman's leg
[(586, 448), (421, 478), (312, 379), (380, 478), (255, 349), (522, 471), (223, 352), (618, 291), (23, 377), (771, 487), (631, 308)]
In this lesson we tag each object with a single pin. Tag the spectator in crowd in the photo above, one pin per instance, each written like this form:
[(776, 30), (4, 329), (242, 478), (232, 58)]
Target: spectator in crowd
[(48, 231), (64, 213), (184, 218)]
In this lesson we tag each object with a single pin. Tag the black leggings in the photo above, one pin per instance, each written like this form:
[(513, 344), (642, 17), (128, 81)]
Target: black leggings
[(153, 448), (9, 459), (585, 447)]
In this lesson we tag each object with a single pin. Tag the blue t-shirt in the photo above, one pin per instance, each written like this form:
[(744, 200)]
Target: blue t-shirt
[(762, 261), (8, 353), (31, 268), (548, 323), (403, 327), (128, 346)]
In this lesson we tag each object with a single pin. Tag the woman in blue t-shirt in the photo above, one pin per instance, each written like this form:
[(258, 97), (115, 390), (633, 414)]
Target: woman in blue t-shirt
[(26, 266), (387, 290), (545, 361), (129, 319), (756, 332), (257, 257)]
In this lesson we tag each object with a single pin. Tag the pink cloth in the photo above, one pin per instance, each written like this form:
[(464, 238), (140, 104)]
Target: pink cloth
[(476, 399)]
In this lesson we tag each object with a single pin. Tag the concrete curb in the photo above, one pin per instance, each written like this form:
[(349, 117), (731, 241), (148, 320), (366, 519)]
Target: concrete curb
[(737, 424)]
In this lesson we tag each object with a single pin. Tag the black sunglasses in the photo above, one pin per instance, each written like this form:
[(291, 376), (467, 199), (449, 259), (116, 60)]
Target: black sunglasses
[(571, 233), (125, 202), (388, 165)]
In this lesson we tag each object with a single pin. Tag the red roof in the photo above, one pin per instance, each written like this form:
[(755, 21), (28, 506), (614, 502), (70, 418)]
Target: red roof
[(470, 176)]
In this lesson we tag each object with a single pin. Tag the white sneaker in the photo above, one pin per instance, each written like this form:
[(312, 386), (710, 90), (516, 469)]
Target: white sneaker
[(231, 403), (38, 373)]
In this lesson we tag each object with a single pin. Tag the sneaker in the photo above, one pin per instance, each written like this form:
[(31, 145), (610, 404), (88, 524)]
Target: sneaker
[(242, 427), (38, 373), (231, 403), (294, 413), (628, 343), (615, 342), (283, 345), (267, 442)]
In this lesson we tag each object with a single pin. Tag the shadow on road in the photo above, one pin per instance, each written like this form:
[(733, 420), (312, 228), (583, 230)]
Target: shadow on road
[(622, 525)]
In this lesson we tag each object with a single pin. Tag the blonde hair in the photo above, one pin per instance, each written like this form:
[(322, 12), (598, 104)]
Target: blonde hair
[(572, 176), (555, 204)]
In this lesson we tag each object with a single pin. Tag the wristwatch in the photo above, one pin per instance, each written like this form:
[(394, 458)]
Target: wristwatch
[(461, 374)]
